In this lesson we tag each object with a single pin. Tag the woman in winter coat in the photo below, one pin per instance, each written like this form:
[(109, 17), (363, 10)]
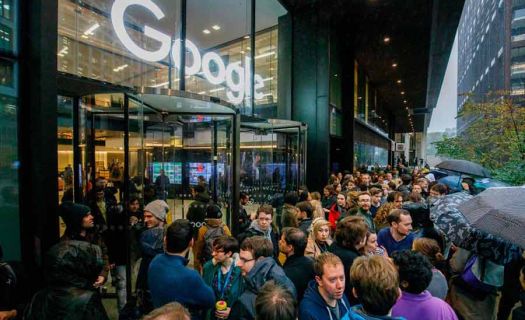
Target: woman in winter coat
[(319, 238)]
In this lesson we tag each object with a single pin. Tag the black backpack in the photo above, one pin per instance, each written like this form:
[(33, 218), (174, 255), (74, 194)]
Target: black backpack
[(7, 286), (211, 234)]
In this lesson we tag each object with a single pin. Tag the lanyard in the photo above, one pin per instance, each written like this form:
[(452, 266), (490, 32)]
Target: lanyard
[(226, 280)]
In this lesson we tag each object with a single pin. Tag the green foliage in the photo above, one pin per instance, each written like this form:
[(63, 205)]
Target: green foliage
[(494, 138)]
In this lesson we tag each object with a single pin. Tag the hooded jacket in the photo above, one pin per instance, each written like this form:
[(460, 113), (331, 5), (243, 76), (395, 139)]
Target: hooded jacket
[(313, 306), (263, 271), (255, 230)]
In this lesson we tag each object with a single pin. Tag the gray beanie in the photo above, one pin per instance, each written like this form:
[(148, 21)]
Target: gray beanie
[(158, 208)]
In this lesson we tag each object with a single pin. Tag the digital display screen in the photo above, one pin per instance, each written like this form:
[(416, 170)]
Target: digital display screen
[(205, 169), (173, 170)]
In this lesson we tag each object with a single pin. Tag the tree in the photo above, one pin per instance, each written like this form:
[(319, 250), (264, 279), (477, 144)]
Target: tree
[(494, 138)]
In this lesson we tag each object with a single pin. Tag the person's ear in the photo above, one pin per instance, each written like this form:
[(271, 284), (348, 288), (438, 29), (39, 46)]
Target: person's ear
[(192, 241), (403, 284), (354, 293), (399, 293), (164, 242), (319, 281)]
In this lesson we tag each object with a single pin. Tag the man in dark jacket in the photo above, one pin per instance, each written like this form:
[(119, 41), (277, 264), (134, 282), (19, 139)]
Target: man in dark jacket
[(262, 226), (350, 237), (243, 219), (197, 210), (325, 297), (72, 267), (297, 267), (305, 216), (80, 226), (257, 267)]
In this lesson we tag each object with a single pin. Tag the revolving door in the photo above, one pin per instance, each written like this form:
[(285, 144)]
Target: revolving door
[(159, 144)]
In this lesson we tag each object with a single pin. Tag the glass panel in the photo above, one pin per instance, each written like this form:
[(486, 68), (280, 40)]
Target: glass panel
[(9, 214), (7, 73), (92, 43), (65, 149), (267, 16), (218, 36)]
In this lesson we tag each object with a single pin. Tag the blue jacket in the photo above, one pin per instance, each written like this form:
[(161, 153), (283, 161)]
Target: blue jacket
[(357, 313), (263, 271), (169, 280), (313, 306)]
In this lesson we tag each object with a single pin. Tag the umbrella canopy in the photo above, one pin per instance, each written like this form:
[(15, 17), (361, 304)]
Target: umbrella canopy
[(464, 166), (447, 217), (498, 211)]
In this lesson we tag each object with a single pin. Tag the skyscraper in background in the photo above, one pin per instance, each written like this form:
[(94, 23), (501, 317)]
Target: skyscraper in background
[(491, 52)]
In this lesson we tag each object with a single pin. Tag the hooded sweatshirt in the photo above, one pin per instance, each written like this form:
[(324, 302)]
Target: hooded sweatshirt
[(314, 307), (263, 271)]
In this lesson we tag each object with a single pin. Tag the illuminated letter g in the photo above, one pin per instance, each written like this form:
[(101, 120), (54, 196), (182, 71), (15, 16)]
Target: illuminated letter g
[(117, 19)]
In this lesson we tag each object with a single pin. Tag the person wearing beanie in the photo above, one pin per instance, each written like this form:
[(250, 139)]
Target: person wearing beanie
[(80, 227), (151, 244), (212, 229)]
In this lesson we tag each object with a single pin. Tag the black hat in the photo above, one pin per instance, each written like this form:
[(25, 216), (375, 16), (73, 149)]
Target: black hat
[(72, 214)]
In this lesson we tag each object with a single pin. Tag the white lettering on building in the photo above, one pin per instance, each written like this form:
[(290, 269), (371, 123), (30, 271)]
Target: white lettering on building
[(238, 85)]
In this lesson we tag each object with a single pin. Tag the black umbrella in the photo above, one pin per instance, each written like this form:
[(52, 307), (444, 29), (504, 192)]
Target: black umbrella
[(498, 211), (450, 220), (464, 166)]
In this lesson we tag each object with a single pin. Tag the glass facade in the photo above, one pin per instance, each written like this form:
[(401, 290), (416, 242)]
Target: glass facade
[(9, 163), (139, 46)]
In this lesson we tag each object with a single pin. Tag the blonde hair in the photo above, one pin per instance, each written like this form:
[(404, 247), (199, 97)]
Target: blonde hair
[(316, 225), (318, 209), (173, 310)]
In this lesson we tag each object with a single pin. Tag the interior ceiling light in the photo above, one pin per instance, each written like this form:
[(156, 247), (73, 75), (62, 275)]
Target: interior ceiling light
[(246, 37), (386, 39), (206, 31), (399, 81), (402, 93), (394, 65), (216, 27), (404, 101)]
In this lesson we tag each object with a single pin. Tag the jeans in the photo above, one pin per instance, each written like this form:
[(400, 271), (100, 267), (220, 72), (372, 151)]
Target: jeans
[(118, 276)]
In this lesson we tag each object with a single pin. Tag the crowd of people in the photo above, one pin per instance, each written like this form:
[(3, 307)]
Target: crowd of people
[(365, 248)]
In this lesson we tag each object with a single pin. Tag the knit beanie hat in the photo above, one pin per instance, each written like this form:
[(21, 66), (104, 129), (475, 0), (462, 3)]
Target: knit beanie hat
[(72, 214), (158, 208)]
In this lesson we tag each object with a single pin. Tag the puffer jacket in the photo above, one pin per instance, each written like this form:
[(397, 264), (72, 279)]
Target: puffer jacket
[(263, 271), (313, 306)]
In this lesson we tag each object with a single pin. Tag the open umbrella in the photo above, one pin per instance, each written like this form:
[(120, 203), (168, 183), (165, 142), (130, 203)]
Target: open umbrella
[(498, 211), (464, 166), (448, 218)]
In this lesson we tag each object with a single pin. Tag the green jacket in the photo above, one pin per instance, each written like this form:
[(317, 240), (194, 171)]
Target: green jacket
[(235, 288), (368, 219)]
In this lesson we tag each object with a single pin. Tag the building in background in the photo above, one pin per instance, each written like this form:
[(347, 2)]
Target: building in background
[(491, 52)]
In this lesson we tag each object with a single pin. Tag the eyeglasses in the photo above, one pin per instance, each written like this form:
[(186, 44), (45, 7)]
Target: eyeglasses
[(244, 260)]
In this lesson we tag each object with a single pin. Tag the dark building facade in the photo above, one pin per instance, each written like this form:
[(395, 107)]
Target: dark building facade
[(491, 51)]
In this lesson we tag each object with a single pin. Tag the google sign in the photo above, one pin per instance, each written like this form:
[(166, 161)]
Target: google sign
[(238, 86)]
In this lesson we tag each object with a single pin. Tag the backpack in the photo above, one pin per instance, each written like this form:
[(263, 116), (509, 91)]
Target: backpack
[(483, 275), (211, 234), (7, 286)]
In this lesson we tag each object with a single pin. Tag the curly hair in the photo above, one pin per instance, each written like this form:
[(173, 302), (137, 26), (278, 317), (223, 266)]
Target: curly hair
[(380, 219), (415, 271)]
